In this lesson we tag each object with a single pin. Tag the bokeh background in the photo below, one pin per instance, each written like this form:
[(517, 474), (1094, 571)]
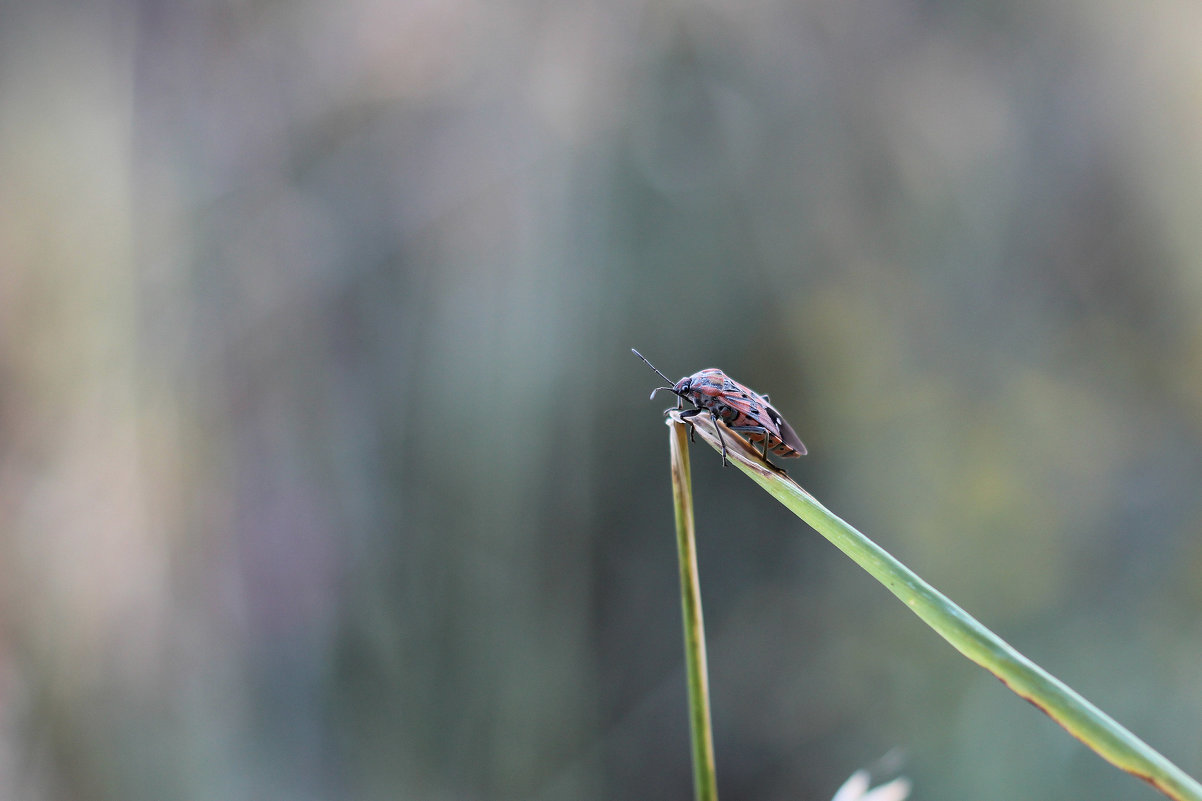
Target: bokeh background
[(326, 471)]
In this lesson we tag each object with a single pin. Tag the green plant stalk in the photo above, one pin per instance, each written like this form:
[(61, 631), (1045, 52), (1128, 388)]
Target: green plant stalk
[(1061, 703), (705, 783)]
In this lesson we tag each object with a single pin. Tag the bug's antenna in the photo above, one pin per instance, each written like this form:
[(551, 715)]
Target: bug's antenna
[(653, 367)]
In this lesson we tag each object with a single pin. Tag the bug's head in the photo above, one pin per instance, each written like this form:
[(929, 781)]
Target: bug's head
[(681, 389)]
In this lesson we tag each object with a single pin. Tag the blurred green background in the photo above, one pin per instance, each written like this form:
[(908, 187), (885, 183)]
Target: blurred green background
[(326, 471)]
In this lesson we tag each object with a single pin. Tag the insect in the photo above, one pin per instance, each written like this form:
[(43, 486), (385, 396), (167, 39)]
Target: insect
[(739, 407)]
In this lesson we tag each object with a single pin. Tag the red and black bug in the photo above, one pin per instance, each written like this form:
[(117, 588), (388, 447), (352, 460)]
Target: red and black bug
[(742, 409)]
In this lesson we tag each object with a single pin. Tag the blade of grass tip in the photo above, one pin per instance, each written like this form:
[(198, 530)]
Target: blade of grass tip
[(705, 783), (1079, 717)]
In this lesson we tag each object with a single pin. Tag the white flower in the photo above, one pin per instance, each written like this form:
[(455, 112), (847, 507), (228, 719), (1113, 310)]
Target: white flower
[(856, 789)]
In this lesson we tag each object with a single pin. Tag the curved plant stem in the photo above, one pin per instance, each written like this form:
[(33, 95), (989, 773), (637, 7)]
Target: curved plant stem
[(1061, 703), (704, 781)]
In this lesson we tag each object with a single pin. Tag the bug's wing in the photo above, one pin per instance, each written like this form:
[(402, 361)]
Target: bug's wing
[(788, 435), (752, 408), (747, 403)]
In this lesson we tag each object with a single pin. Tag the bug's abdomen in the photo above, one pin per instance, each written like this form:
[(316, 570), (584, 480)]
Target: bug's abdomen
[(775, 443)]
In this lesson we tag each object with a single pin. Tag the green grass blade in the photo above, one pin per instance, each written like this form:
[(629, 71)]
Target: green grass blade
[(1061, 703), (704, 779)]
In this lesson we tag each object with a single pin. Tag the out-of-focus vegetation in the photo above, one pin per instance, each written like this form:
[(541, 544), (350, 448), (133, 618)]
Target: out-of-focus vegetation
[(317, 406)]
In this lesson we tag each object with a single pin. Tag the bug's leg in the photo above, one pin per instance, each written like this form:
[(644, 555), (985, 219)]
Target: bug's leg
[(757, 430), (721, 438), (684, 416), (692, 429), (687, 415)]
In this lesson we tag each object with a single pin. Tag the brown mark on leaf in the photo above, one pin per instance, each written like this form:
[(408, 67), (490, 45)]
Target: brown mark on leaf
[(1141, 776)]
